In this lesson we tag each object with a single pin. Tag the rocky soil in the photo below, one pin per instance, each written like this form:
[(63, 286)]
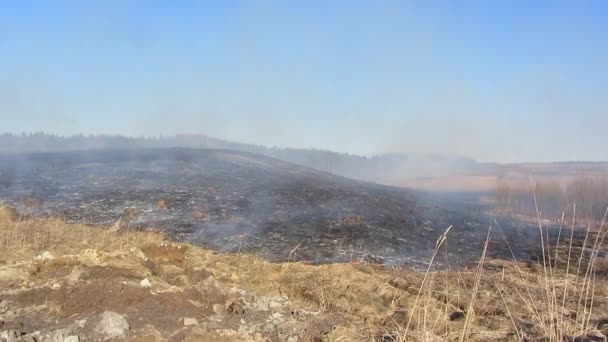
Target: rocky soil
[(139, 288)]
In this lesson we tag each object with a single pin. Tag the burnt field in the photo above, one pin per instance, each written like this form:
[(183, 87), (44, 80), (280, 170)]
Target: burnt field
[(237, 201)]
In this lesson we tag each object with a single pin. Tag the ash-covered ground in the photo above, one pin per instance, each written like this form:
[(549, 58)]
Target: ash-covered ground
[(236, 201)]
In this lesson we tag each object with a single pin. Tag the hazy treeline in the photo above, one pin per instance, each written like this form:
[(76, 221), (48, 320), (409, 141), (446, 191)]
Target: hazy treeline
[(42, 142), (390, 167), (379, 168), (590, 194)]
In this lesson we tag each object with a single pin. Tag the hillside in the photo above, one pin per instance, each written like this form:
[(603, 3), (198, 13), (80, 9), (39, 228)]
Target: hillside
[(231, 201), (426, 172), (382, 168)]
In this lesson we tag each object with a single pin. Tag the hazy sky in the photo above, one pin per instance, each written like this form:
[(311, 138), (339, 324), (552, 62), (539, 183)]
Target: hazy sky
[(493, 80)]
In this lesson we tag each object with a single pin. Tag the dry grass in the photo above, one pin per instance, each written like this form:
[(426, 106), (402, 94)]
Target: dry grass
[(22, 238), (501, 300)]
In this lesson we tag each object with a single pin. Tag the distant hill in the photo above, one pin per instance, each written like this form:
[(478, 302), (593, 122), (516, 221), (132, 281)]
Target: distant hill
[(428, 172), (384, 168)]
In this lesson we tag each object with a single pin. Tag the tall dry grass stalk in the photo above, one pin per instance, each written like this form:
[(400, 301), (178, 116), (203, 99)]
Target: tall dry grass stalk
[(438, 245), (552, 317), (31, 236), (564, 289), (471, 312)]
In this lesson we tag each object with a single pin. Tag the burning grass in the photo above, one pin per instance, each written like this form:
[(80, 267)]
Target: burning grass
[(563, 296)]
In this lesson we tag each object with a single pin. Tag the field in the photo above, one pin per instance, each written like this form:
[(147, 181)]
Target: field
[(201, 245), (237, 201), (63, 281), (484, 177)]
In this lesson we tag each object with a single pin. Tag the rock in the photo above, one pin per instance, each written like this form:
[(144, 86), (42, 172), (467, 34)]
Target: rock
[(46, 255), (190, 321), (219, 308), (8, 335), (61, 335), (145, 283), (3, 307), (13, 336), (275, 319), (74, 276), (237, 307), (456, 315), (112, 325), (269, 303)]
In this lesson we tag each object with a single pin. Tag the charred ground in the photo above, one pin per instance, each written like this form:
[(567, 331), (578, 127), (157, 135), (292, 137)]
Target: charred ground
[(239, 201)]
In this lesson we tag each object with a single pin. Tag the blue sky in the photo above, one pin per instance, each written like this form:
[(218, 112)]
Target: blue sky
[(494, 80)]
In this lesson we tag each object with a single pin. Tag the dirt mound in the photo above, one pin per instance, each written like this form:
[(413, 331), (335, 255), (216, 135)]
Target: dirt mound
[(154, 290)]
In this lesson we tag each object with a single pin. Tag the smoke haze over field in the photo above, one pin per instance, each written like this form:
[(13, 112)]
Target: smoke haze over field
[(385, 168), (494, 81)]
